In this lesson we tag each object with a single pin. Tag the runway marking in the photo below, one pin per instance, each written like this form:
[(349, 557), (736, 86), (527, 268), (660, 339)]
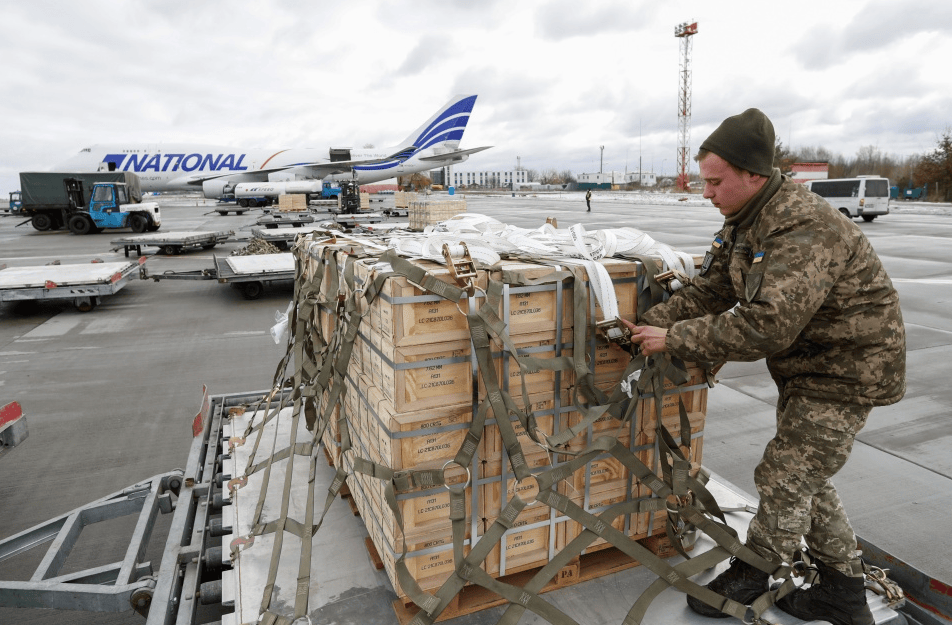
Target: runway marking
[(17, 354), (46, 259), (245, 333), (56, 326), (107, 325), (924, 280)]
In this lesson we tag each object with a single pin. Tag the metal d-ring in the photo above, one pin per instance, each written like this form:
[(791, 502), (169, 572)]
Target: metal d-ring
[(469, 475), (538, 490)]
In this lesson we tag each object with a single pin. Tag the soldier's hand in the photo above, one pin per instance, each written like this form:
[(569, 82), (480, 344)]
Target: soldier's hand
[(651, 339)]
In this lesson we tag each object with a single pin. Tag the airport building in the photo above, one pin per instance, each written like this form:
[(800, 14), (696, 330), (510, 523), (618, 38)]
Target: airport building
[(489, 179), (616, 180)]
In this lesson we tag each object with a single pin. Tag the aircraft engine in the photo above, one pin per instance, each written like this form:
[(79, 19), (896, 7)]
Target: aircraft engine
[(214, 189)]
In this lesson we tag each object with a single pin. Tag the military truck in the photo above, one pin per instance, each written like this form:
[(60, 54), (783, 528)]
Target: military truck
[(86, 202)]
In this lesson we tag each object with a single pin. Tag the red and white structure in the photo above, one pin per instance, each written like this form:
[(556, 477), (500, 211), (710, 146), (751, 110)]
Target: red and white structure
[(802, 172), (684, 31)]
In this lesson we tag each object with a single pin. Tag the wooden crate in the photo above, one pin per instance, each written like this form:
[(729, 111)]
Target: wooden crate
[(541, 345), (429, 553), (426, 376), (542, 405), (693, 394), (404, 314), (605, 425), (535, 308), (427, 211), (407, 439), (292, 202), (532, 309), (599, 498), (401, 199), (423, 510), (529, 544), (646, 441)]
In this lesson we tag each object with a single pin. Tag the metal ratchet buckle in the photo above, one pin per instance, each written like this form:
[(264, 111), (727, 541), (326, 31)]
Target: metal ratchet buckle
[(614, 331), (463, 270), (666, 278)]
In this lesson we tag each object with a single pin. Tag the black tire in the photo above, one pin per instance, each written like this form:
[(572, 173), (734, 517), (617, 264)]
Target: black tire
[(252, 290), (209, 246), (243, 203), (868, 218), (846, 213), (281, 245), (153, 228), (253, 203), (85, 306), (171, 250), (78, 224), (222, 213), (41, 222), (139, 223)]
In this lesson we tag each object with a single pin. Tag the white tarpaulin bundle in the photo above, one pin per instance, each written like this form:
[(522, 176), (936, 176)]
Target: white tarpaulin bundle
[(487, 238)]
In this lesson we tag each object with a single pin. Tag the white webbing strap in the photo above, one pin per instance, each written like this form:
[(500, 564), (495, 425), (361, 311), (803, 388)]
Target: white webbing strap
[(487, 238)]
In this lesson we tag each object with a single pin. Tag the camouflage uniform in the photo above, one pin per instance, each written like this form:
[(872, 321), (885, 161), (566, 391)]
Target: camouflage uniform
[(791, 280)]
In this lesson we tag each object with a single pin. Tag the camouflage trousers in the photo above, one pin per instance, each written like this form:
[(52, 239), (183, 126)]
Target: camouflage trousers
[(797, 500)]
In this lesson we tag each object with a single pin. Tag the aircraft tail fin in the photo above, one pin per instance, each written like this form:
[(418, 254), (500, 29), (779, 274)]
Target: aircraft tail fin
[(445, 127)]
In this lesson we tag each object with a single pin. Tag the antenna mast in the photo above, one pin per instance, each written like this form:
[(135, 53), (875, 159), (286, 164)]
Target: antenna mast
[(684, 31)]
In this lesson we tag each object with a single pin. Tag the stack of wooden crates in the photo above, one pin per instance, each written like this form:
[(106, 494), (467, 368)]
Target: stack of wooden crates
[(412, 387), (424, 210), (292, 202)]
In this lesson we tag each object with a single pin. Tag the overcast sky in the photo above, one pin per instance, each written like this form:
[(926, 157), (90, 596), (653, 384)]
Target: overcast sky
[(556, 79)]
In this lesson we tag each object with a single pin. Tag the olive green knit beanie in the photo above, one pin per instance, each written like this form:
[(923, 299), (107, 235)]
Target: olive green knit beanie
[(745, 141)]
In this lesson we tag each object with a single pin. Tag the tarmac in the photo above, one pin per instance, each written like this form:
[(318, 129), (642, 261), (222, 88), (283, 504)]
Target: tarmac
[(109, 395)]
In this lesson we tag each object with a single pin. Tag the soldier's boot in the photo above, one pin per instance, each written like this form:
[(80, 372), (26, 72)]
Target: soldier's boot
[(742, 583), (836, 598)]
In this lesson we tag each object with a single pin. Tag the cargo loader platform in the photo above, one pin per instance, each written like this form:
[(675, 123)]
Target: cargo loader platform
[(85, 284), (207, 504), (249, 273), (171, 243)]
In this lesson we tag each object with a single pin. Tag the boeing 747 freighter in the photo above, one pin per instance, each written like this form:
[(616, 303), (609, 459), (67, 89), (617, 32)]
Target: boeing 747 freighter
[(180, 167)]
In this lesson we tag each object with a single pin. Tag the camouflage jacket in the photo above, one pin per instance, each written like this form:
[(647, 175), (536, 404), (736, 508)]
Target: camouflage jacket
[(802, 287)]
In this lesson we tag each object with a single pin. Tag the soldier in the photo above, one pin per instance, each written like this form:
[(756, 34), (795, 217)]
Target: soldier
[(789, 279)]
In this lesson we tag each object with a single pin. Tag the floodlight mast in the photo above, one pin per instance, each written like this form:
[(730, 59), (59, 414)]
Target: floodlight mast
[(684, 31)]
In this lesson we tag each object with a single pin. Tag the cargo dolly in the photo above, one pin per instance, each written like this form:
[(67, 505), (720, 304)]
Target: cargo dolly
[(275, 220), (171, 243), (283, 237), (84, 284), (249, 273)]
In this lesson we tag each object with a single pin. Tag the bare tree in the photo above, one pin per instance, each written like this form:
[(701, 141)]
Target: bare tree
[(936, 168)]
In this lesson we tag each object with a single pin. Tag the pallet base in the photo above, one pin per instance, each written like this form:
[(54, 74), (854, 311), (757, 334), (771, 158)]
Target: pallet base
[(586, 567)]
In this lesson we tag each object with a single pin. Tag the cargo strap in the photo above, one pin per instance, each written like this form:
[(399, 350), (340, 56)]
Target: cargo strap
[(317, 387)]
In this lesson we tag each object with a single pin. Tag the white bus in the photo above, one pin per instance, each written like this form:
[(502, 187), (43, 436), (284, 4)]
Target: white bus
[(863, 196)]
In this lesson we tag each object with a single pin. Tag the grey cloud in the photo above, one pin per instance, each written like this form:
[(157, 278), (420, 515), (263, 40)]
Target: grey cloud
[(876, 26), (563, 19), (427, 51)]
